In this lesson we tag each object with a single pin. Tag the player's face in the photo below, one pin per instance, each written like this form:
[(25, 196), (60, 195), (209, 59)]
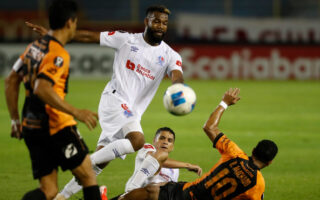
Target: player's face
[(165, 141), (157, 25)]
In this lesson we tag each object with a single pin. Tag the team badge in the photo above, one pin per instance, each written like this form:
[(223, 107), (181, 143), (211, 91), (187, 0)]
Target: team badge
[(126, 112), (58, 61), (160, 61)]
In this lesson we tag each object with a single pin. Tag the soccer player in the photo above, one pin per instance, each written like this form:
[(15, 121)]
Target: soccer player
[(141, 61), (48, 126), (160, 168), (235, 176)]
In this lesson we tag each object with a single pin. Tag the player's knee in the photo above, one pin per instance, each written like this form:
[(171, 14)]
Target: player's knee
[(136, 139)]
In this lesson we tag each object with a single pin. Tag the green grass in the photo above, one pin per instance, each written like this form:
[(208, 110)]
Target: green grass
[(287, 112)]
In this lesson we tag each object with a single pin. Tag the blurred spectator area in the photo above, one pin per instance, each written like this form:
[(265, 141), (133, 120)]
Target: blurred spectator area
[(129, 14)]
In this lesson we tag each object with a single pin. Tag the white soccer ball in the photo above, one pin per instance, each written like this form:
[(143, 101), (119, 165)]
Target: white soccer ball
[(179, 99)]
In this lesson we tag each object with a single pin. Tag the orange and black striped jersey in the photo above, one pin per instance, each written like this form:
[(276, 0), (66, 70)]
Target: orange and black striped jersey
[(45, 58), (233, 177)]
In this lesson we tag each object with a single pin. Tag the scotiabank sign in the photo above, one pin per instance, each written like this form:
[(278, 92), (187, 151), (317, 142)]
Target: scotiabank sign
[(251, 62), (198, 61)]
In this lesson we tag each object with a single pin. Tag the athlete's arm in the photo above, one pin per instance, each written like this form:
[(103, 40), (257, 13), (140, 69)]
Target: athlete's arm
[(170, 163), (81, 35), (176, 77), (43, 89), (12, 86), (211, 126)]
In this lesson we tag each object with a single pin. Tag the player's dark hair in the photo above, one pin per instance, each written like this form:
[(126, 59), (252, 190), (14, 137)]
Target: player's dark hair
[(265, 151), (166, 129), (60, 11), (159, 8)]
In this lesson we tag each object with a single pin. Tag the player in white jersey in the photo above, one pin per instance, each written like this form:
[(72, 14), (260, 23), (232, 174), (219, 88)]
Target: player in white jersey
[(141, 61), (167, 169)]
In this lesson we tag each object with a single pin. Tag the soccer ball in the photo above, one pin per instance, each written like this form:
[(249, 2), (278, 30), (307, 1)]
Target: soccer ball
[(179, 99)]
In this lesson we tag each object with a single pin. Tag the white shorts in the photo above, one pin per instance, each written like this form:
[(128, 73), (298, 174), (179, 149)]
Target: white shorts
[(116, 118)]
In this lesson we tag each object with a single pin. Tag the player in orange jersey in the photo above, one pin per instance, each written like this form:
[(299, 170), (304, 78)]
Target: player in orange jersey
[(236, 176), (48, 126)]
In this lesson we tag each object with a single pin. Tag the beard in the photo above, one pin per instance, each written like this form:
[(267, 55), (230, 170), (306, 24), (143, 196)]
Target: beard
[(153, 36)]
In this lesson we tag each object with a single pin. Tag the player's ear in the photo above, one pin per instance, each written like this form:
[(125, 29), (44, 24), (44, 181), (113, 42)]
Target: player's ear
[(68, 23), (146, 20)]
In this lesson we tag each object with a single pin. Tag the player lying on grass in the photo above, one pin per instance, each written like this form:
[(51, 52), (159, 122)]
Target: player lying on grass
[(157, 169), (235, 176)]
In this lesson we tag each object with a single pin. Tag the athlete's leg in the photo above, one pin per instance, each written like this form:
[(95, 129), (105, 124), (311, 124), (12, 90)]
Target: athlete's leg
[(87, 178), (149, 167), (150, 192)]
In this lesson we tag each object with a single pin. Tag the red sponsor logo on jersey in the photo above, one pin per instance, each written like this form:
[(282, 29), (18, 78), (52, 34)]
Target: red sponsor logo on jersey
[(148, 146), (179, 63), (111, 33)]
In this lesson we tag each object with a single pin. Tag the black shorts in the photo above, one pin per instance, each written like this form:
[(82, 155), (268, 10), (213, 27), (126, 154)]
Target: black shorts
[(66, 148), (172, 191)]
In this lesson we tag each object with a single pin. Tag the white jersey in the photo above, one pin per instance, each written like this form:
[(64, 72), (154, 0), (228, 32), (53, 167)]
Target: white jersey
[(138, 67), (165, 174)]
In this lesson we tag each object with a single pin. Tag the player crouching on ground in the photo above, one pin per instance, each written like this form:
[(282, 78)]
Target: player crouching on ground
[(235, 176)]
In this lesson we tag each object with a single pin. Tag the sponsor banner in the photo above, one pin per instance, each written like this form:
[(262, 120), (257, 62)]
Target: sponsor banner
[(252, 30), (198, 61), (251, 62)]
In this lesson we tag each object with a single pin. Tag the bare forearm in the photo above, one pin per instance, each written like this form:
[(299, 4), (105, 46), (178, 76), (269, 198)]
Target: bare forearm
[(87, 36), (12, 85), (211, 126), (176, 77), (46, 93), (170, 163)]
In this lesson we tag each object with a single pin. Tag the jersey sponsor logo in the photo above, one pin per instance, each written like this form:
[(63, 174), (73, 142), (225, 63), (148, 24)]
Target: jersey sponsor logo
[(70, 151), (143, 71), (179, 63), (160, 61), (126, 112), (111, 33), (58, 61), (148, 146), (134, 49)]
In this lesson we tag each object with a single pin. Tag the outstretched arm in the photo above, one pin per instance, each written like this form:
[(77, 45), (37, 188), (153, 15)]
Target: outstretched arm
[(170, 163), (81, 35), (211, 126)]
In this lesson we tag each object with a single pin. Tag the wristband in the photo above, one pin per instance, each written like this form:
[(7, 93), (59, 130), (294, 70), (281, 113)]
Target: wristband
[(223, 104), (15, 121)]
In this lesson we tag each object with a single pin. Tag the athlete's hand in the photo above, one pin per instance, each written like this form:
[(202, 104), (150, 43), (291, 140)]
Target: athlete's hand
[(88, 117), (16, 129), (231, 96), (37, 28), (195, 168)]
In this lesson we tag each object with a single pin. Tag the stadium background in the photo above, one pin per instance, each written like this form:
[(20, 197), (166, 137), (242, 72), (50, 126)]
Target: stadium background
[(268, 48)]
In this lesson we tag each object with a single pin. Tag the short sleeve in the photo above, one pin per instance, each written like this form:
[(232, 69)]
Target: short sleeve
[(175, 63), (113, 39), (53, 66), (176, 175), (227, 147)]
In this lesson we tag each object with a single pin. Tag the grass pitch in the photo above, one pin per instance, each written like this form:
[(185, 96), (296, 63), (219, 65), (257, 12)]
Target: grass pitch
[(287, 112)]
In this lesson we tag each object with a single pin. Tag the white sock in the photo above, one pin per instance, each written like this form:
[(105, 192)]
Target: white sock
[(111, 151), (71, 188), (148, 168)]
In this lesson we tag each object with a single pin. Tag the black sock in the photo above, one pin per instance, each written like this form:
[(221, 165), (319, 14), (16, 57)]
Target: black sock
[(36, 194), (91, 193)]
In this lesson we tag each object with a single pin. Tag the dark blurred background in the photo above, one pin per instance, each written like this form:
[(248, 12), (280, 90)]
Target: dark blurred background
[(264, 39)]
